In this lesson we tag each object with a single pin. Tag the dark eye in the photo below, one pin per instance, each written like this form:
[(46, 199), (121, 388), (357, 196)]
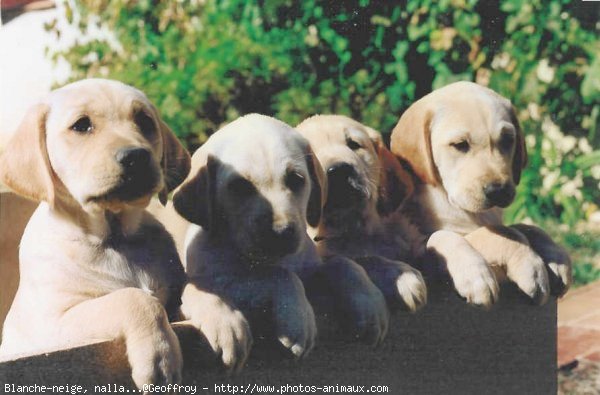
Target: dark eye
[(144, 122), (241, 187), (83, 125), (462, 146), (294, 180), (353, 145), (506, 142)]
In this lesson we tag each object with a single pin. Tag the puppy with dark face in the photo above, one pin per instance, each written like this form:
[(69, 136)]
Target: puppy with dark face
[(366, 185), (466, 151), (94, 264), (253, 187)]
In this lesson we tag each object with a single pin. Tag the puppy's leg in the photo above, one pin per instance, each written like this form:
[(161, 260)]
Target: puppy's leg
[(129, 313), (295, 323), (507, 249), (281, 292), (356, 297), (402, 285), (473, 279), (224, 326), (557, 260)]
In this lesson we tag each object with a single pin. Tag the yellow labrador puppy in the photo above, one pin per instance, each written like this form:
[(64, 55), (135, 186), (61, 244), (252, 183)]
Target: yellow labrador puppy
[(94, 264), (366, 185), (466, 149), (253, 187)]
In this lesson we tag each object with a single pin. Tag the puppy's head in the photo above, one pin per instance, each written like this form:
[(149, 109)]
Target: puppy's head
[(254, 183), (362, 174), (98, 143), (466, 139)]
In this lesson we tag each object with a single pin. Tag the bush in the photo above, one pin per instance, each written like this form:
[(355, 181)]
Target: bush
[(206, 62)]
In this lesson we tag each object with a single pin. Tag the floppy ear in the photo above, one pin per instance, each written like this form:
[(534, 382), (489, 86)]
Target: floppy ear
[(395, 183), (24, 164), (318, 189), (194, 199), (175, 161), (411, 142), (520, 155)]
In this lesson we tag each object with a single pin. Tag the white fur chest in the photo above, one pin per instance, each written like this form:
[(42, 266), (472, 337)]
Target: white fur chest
[(56, 255)]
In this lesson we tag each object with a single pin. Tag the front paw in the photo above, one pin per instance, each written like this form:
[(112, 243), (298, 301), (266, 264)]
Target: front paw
[(411, 288), (368, 313), (155, 358), (296, 327), (228, 333), (475, 281), (560, 275), (401, 284), (555, 257), (224, 327), (527, 270)]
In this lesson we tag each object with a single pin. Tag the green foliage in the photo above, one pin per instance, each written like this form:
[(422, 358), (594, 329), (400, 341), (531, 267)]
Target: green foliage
[(585, 273), (206, 62), (583, 244)]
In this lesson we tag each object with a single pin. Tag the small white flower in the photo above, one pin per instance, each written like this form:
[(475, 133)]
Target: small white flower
[(546, 145), (584, 146), (312, 38), (550, 180), (530, 140), (545, 73), (501, 61), (567, 143), (572, 188), (534, 111), (551, 130), (595, 170)]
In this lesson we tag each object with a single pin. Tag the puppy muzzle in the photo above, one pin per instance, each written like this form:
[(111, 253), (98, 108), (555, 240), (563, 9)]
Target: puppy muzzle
[(344, 184), (139, 175), (499, 194), (280, 241)]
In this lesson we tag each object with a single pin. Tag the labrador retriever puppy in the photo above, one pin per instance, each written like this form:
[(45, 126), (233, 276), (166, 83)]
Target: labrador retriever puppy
[(94, 264), (253, 187), (366, 185), (465, 147)]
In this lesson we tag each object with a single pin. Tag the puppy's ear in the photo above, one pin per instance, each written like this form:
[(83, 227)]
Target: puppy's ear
[(520, 155), (318, 189), (175, 161), (24, 164), (395, 183), (411, 142), (194, 199)]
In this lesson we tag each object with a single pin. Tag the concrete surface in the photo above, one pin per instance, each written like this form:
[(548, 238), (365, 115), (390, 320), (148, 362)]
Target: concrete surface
[(448, 348)]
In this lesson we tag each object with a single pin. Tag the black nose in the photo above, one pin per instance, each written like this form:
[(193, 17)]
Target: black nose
[(499, 194), (340, 171), (285, 233), (282, 240), (133, 159)]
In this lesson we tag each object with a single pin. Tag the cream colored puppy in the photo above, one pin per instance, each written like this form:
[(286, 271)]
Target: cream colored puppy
[(366, 185), (253, 187), (94, 264), (466, 149)]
